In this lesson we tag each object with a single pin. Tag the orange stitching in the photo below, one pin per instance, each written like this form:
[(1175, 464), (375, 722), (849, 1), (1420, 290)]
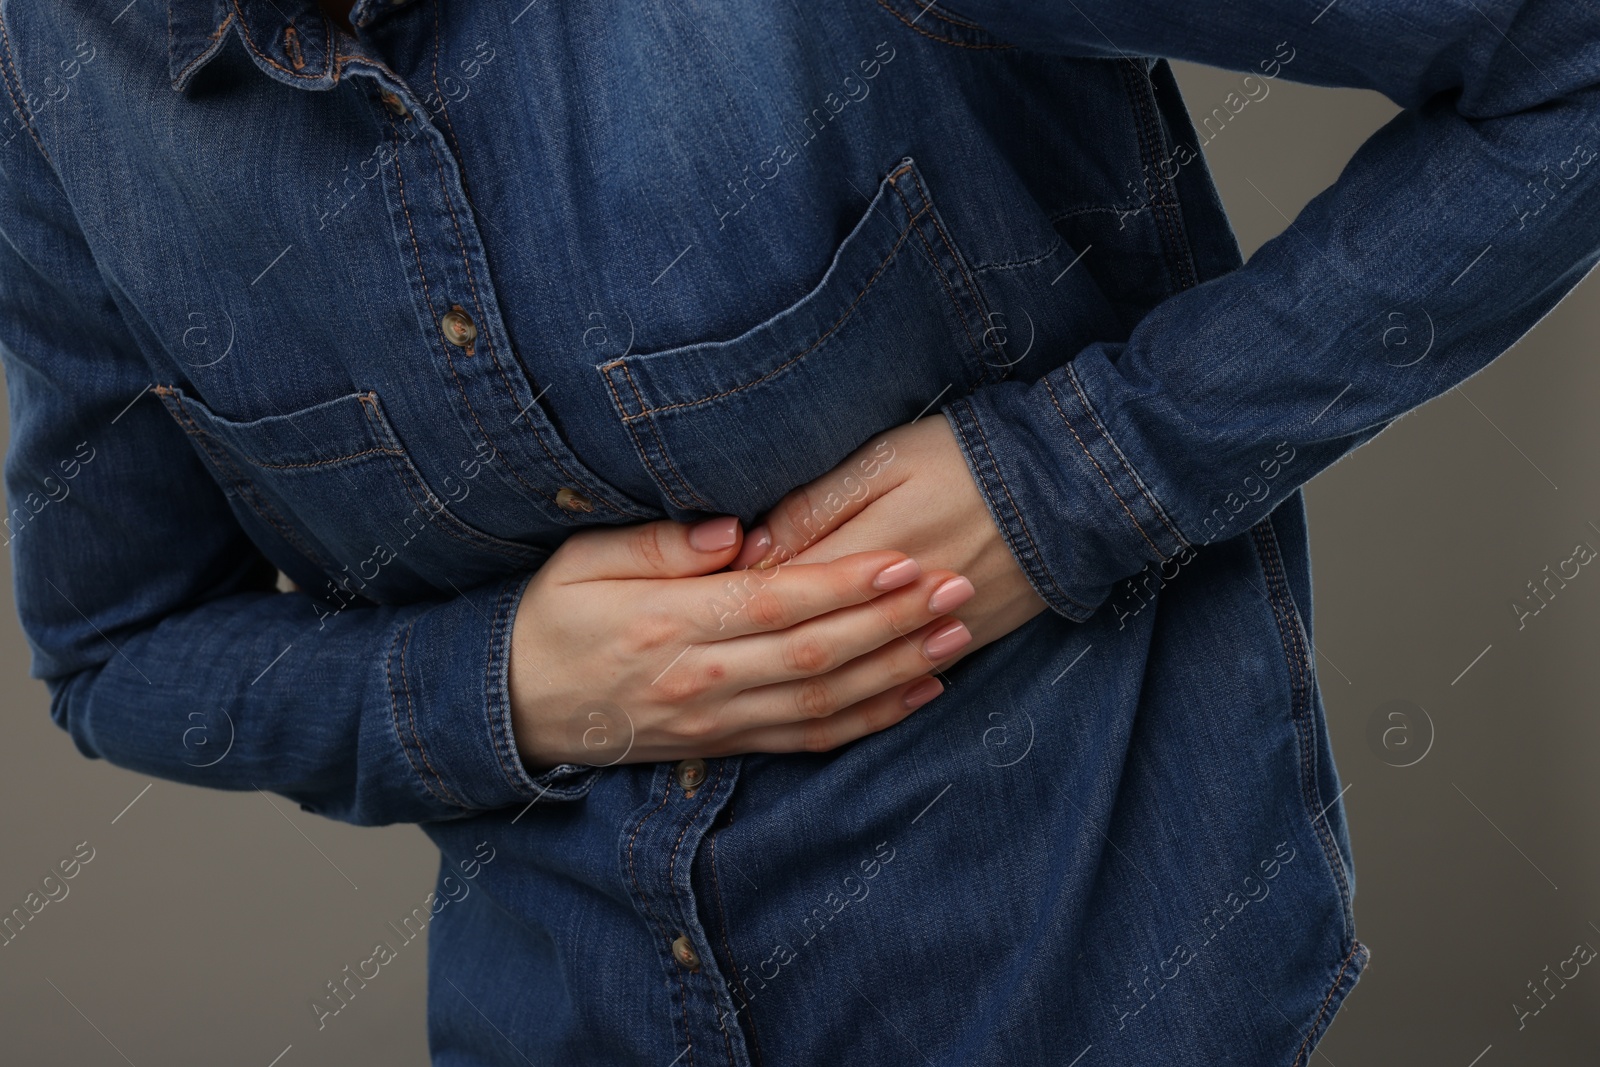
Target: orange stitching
[(672, 864), (318, 463), (504, 745), (1354, 948), (1083, 401), (291, 44), (244, 34), (633, 873), (936, 37), (394, 714), (972, 286), (210, 44), (1015, 511), (428, 299), (1103, 477), (933, 261), (411, 709), (638, 443), (785, 364), (655, 431), (245, 488)]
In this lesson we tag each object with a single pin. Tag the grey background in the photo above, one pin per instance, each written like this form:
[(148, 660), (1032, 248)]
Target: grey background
[(206, 921)]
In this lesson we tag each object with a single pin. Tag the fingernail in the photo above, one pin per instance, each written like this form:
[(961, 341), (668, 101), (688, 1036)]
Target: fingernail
[(950, 595), (714, 535), (947, 640), (922, 692), (897, 574), (757, 543)]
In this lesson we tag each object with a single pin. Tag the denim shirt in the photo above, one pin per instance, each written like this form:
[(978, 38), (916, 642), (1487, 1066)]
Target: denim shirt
[(395, 313)]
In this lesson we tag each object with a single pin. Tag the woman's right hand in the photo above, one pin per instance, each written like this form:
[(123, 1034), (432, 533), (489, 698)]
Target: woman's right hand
[(627, 647)]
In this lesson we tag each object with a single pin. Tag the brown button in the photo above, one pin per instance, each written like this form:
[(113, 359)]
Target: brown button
[(574, 501), (690, 773), (393, 102), (458, 328), (685, 954)]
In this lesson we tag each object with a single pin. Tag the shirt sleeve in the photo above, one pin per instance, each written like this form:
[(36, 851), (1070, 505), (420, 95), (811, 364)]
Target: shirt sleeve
[(1449, 234), (157, 624)]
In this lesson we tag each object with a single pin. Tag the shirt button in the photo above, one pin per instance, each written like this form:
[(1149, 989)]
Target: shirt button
[(458, 328), (394, 103), (685, 954), (690, 773), (573, 501)]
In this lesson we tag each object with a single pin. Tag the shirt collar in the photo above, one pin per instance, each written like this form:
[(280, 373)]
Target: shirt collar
[(290, 40)]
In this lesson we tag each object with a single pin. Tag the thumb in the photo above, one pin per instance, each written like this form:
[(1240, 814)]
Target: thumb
[(663, 549)]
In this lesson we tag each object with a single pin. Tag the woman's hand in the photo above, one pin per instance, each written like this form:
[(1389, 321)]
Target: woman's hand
[(627, 648), (908, 489)]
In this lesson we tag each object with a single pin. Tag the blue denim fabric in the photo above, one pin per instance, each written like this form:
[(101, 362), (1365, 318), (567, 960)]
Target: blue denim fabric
[(707, 249)]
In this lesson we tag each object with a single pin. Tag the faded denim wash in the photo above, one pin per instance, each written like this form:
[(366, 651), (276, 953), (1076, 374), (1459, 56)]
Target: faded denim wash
[(394, 314)]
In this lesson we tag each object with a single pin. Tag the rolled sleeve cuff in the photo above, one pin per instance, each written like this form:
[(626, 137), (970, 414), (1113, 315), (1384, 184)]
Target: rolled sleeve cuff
[(1073, 509), (447, 676)]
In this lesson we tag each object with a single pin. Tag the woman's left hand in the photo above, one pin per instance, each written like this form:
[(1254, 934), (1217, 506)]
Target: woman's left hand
[(908, 489)]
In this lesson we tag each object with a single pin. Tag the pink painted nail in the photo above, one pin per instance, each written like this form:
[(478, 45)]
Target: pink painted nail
[(947, 640), (896, 575), (922, 692), (950, 595), (714, 535), (757, 543)]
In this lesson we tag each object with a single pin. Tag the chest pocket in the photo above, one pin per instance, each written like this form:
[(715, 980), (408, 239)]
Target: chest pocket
[(896, 324), (331, 486)]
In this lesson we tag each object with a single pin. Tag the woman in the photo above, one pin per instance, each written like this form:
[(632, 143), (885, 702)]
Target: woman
[(650, 406)]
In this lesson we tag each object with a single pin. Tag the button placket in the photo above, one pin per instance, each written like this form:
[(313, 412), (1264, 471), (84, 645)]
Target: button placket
[(665, 836), (486, 381)]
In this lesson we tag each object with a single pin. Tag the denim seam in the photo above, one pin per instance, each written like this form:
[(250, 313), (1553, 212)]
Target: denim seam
[(246, 490), (320, 462), (400, 186), (244, 34), (1169, 219), (1033, 560), (946, 40), (972, 286), (10, 74), (205, 53), (707, 793), (944, 282), (655, 431), (1103, 475), (394, 708), (1019, 264), (633, 874), (1338, 980), (792, 359), (411, 714), (477, 302), (727, 947), (499, 654), (291, 45), (1287, 619), (1133, 475), (933, 259)]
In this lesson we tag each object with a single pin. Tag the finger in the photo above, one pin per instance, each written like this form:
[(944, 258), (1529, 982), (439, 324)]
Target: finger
[(649, 550), (857, 721), (724, 606), (831, 640), (809, 513), (897, 662)]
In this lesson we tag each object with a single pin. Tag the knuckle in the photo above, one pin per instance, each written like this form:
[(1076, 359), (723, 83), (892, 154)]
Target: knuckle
[(647, 548), (817, 736), (805, 654), (695, 726), (651, 631), (767, 611), (680, 686), (814, 699)]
